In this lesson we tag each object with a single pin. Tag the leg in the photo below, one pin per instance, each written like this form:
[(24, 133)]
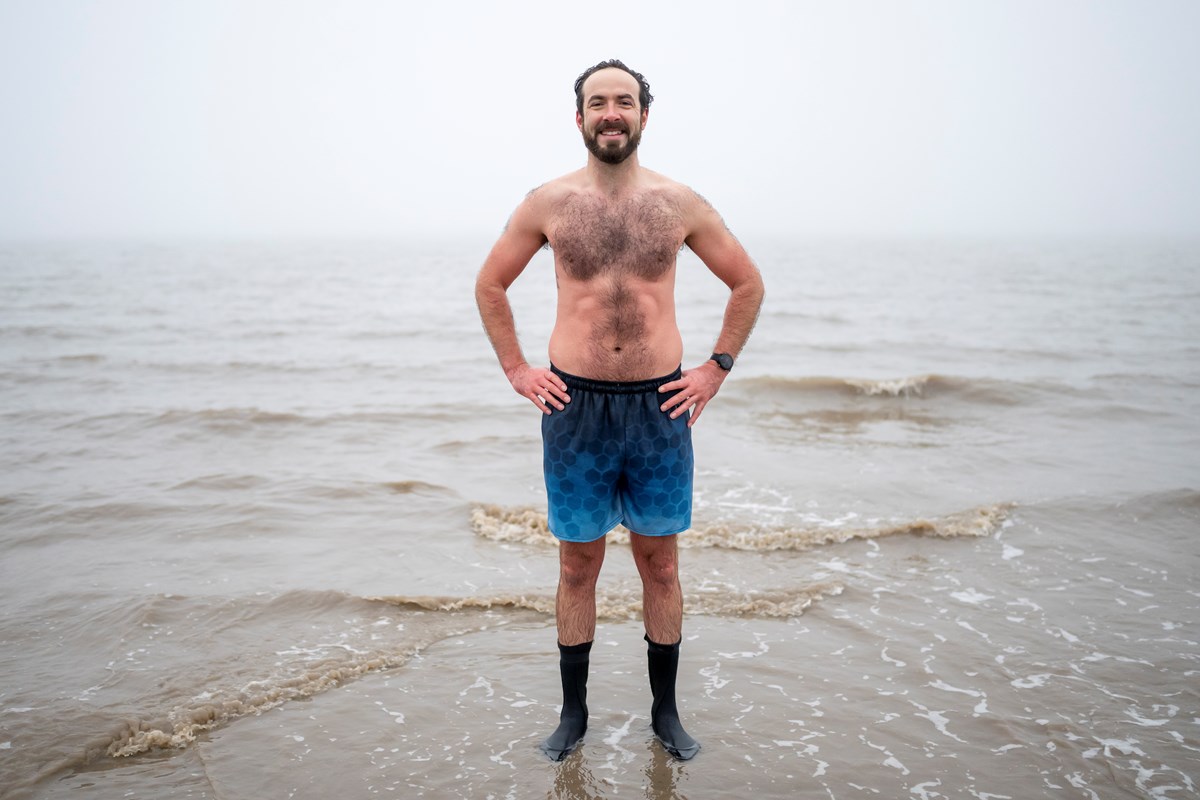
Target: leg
[(657, 562), (575, 607), (579, 566), (657, 559)]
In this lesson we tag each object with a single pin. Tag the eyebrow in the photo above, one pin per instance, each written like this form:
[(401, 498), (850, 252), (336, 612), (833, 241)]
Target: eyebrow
[(625, 96)]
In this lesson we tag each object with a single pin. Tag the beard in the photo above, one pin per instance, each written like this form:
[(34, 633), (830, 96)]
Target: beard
[(610, 154)]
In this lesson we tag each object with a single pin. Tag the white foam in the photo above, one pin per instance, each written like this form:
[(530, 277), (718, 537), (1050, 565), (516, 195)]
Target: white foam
[(763, 649), (1033, 681), (1144, 722), (1070, 637), (945, 687), (480, 683), (922, 790), (1011, 552), (939, 721), (1077, 780), (617, 734)]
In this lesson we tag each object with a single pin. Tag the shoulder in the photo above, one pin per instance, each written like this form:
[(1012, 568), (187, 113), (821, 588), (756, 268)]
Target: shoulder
[(544, 203), (685, 198), (554, 192), (697, 214), (536, 210)]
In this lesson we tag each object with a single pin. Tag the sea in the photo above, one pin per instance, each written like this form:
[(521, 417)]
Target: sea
[(272, 525)]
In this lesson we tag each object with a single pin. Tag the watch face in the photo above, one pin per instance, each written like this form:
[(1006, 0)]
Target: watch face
[(724, 360)]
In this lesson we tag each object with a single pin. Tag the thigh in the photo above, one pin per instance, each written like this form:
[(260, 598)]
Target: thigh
[(657, 496), (581, 460)]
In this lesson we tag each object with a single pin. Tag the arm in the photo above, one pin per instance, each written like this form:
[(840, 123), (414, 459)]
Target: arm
[(508, 258), (727, 259)]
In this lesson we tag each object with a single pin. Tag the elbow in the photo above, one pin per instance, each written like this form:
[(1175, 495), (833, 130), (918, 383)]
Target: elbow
[(485, 290), (752, 288)]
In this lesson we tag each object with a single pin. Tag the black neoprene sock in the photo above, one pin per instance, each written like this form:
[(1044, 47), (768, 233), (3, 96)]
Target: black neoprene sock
[(663, 661), (573, 663)]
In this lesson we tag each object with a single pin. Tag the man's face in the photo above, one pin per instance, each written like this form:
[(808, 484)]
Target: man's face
[(611, 121)]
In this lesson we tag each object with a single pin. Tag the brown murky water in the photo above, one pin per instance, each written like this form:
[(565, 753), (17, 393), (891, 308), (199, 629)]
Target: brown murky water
[(272, 525)]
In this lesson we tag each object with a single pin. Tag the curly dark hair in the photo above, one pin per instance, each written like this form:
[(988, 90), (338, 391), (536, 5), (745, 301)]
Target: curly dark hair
[(644, 96)]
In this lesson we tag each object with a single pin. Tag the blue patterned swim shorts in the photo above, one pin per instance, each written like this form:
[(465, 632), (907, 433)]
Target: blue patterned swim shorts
[(611, 456)]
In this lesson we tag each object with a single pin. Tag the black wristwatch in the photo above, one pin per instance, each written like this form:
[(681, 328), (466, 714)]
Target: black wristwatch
[(724, 360)]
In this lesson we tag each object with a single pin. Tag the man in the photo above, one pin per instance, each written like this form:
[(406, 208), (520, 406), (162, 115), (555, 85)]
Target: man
[(617, 407)]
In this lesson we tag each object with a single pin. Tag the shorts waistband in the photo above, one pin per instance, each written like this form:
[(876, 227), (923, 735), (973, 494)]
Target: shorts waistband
[(616, 387)]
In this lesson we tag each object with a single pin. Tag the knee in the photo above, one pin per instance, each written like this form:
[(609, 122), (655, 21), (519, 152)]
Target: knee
[(579, 573), (661, 569)]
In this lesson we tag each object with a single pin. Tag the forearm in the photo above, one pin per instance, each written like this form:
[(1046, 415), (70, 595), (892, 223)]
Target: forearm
[(741, 312), (496, 313)]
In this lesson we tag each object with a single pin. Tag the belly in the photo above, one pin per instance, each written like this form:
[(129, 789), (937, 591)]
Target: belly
[(616, 331)]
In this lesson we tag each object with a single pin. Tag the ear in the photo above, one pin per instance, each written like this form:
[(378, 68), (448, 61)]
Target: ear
[(578, 120), (645, 116)]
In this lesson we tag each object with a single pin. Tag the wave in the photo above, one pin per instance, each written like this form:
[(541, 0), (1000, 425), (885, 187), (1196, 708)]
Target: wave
[(238, 418), (986, 391), (618, 605), (222, 483), (182, 724), (525, 525), (240, 483), (416, 487), (212, 706), (294, 673)]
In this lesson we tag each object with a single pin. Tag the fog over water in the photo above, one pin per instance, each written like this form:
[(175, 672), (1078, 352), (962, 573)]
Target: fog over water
[(274, 119)]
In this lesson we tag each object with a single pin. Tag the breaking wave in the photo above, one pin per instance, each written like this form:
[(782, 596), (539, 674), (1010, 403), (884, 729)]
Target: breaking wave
[(617, 605), (986, 391), (524, 525)]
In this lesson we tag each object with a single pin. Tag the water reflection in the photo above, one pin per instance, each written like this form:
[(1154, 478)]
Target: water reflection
[(662, 772), (574, 779)]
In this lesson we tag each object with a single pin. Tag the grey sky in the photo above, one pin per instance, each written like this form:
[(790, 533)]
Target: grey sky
[(219, 118)]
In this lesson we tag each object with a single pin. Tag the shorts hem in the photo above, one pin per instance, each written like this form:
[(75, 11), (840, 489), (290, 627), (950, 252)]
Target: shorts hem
[(603, 532), (673, 532)]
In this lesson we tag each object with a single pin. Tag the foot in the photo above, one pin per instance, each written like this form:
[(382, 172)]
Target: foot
[(565, 739), (674, 738)]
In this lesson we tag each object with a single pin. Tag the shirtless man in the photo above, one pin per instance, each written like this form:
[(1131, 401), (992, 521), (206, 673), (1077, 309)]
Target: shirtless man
[(617, 407)]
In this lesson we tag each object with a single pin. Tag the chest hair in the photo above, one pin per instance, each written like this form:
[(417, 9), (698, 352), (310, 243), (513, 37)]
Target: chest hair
[(636, 237)]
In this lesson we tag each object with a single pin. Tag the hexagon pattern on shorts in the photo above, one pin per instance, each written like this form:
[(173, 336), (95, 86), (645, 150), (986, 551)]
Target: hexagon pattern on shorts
[(614, 458)]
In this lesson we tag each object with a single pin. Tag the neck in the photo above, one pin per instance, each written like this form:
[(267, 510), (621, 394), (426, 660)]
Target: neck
[(612, 178)]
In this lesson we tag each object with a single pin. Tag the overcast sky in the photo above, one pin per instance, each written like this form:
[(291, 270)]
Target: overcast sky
[(277, 118)]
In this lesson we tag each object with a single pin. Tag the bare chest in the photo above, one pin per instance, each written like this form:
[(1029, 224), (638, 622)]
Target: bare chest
[(636, 237)]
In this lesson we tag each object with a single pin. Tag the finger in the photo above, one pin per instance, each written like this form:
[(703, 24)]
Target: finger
[(687, 403), (537, 401), (673, 385), (674, 400), (696, 414), (547, 397), (560, 393)]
